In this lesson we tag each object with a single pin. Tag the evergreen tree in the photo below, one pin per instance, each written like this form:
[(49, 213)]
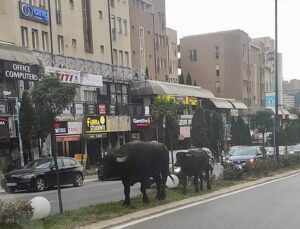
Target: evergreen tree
[(199, 129), (240, 133), (147, 73), (210, 133), (181, 79), (195, 83), (218, 130), (189, 79), (26, 125)]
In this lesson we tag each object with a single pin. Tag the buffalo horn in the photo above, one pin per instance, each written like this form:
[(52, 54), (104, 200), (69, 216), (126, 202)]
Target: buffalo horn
[(120, 159)]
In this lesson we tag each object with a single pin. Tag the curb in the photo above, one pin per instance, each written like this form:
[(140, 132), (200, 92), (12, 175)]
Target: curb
[(151, 211)]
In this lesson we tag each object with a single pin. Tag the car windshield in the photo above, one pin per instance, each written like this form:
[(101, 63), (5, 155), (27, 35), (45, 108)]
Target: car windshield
[(244, 151), (39, 164)]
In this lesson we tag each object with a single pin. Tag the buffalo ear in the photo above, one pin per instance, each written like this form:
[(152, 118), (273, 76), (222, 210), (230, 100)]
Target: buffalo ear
[(120, 159)]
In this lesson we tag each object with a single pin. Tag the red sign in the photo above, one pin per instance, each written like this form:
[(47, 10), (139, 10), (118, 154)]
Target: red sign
[(102, 109), (4, 130), (68, 138)]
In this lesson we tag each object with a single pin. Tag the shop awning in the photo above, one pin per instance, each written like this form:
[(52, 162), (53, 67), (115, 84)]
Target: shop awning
[(12, 52), (221, 103), (238, 105), (279, 111), (293, 117), (284, 111), (150, 87)]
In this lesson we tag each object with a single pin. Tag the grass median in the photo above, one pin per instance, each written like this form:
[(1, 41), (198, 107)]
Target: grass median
[(103, 211)]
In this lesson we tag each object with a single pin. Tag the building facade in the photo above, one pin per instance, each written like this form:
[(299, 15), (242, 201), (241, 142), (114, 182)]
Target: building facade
[(82, 42), (149, 38), (227, 63), (172, 55), (288, 101)]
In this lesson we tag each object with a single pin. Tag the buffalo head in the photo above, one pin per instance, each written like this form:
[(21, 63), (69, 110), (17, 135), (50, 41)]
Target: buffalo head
[(112, 167)]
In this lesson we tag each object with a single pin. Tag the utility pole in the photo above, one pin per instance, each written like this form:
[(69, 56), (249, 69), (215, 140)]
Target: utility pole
[(276, 87)]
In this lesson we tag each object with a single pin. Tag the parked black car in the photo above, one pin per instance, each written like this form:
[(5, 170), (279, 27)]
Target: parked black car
[(41, 174)]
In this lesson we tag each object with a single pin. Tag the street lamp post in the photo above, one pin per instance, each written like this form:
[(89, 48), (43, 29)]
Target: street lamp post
[(276, 86)]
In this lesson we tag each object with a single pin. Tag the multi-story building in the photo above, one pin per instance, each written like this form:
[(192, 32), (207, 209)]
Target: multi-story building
[(85, 43), (172, 55), (288, 101), (227, 63), (268, 46), (149, 38)]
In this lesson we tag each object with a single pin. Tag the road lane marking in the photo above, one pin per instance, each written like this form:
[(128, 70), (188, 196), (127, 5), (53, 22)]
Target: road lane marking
[(198, 203)]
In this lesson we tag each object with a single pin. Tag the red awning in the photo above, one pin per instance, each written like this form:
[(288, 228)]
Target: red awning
[(68, 138)]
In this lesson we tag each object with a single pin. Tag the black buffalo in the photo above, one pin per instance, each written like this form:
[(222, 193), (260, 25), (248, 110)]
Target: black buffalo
[(194, 162), (139, 162)]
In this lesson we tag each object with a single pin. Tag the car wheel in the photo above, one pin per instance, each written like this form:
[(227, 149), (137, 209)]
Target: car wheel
[(78, 180), (10, 189), (39, 184)]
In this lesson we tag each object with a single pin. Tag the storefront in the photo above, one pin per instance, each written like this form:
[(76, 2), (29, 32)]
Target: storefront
[(68, 138), (139, 127)]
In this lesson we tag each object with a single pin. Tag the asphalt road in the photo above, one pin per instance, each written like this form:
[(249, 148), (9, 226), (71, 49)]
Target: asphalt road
[(92, 192), (273, 205)]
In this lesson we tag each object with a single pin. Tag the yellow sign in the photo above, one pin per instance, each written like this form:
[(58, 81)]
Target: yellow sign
[(95, 124), (78, 157)]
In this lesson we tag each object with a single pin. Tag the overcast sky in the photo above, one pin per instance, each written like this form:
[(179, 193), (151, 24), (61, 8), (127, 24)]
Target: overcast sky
[(255, 17)]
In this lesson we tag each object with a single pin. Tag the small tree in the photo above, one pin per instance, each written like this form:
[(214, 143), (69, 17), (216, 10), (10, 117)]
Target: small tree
[(26, 128), (199, 129), (218, 130), (181, 79), (147, 73), (50, 97), (189, 79), (262, 120), (195, 83), (240, 133)]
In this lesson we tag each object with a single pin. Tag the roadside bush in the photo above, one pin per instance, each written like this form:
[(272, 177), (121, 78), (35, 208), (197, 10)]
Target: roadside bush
[(16, 212), (262, 166), (232, 173)]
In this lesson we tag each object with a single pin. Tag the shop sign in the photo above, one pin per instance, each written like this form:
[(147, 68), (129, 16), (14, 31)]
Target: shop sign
[(234, 112), (112, 109), (140, 122), (90, 109), (102, 109), (78, 108), (185, 132), (74, 128), (95, 124), (34, 13), (18, 71), (4, 129), (61, 128), (92, 80), (68, 138), (185, 120), (64, 75)]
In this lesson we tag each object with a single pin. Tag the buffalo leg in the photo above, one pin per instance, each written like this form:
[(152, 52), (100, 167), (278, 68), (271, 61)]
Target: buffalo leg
[(158, 187), (126, 193), (196, 183), (164, 176), (201, 180), (184, 181), (143, 191), (207, 179)]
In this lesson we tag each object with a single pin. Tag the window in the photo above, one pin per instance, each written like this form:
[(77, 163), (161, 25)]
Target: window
[(35, 39), (100, 14), (103, 90), (74, 43), (112, 3), (125, 27), (113, 28), (102, 49), (45, 40), (121, 58), (90, 96), (218, 89), (115, 57), (217, 70), (112, 88), (126, 62), (192, 53), (217, 52), (60, 44), (58, 11), (87, 26), (24, 34), (71, 2), (42, 3), (113, 98), (124, 89), (120, 25), (142, 47), (157, 65)]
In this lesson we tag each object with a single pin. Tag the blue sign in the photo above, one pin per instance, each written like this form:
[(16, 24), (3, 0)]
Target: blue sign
[(34, 13), (270, 100)]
